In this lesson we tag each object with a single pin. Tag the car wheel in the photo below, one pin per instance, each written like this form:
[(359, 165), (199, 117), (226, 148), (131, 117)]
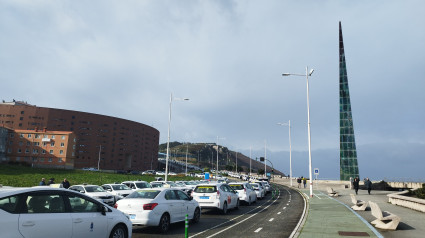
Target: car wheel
[(164, 223), (224, 211), (119, 231), (237, 205), (196, 215)]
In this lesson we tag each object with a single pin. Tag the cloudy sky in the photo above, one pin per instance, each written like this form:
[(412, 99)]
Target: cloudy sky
[(125, 58)]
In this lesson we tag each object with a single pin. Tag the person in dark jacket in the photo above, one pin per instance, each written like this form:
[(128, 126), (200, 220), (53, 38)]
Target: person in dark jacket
[(356, 184), (42, 182), (368, 184), (51, 181), (65, 183)]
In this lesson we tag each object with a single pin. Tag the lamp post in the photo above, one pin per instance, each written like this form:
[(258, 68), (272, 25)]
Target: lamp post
[(168, 139), (290, 150), (307, 73), (216, 171), (187, 148)]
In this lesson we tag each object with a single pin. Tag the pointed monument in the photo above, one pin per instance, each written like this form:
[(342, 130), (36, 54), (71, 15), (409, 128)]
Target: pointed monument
[(347, 142)]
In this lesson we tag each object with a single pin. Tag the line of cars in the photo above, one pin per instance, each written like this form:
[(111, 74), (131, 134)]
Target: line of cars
[(157, 203)]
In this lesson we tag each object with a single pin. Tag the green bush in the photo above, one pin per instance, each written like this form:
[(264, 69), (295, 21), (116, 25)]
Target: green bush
[(23, 176), (420, 193)]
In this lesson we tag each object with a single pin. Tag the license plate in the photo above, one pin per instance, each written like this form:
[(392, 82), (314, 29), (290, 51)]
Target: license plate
[(204, 197), (132, 216)]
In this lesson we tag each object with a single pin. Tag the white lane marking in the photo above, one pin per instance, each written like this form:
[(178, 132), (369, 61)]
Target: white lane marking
[(258, 230), (236, 218), (271, 219), (316, 195), (279, 213), (284, 208), (287, 204)]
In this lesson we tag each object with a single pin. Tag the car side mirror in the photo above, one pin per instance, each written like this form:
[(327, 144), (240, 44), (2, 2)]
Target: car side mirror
[(82, 191), (190, 198), (104, 210)]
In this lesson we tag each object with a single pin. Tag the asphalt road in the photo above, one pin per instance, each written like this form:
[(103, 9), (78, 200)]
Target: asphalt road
[(270, 217)]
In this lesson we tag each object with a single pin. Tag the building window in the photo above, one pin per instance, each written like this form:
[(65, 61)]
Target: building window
[(18, 158), (19, 150), (37, 136), (43, 152), (52, 144), (63, 137), (44, 144), (50, 160), (12, 135), (28, 143), (45, 136), (20, 124), (41, 159), (22, 112), (21, 118), (53, 136), (60, 160), (10, 142), (36, 143), (62, 144), (51, 152), (61, 152), (29, 135), (27, 151), (9, 150), (20, 143), (35, 151), (73, 153), (21, 135)]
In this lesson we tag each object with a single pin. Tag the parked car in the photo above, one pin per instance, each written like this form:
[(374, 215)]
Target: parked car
[(258, 190), (220, 196), (159, 207), (149, 172), (245, 191), (134, 185), (96, 192), (119, 191), (57, 212)]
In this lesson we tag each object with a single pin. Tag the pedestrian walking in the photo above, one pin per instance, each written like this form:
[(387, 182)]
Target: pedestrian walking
[(42, 182), (356, 184), (304, 182), (368, 184), (299, 182), (65, 183)]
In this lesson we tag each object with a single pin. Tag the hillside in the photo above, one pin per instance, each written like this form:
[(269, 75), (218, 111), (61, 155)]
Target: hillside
[(204, 155)]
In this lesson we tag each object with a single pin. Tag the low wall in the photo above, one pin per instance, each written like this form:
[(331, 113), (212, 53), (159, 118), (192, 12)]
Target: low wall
[(405, 201), (411, 185)]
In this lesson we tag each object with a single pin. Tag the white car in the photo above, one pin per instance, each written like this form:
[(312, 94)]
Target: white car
[(220, 196), (96, 192), (159, 207), (56, 212), (245, 191), (135, 185), (120, 191), (258, 190)]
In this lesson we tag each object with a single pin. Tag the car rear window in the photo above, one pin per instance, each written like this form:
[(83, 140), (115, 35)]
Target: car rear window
[(143, 185), (236, 186), (205, 189), (147, 194)]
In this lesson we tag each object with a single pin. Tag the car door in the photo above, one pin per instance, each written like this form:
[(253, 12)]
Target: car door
[(174, 205), (228, 195), (234, 195), (87, 218), (45, 215), (187, 205)]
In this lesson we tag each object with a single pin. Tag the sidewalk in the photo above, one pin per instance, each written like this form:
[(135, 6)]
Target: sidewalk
[(333, 217)]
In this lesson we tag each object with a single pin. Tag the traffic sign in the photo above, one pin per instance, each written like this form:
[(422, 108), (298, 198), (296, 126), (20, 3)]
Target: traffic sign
[(316, 171)]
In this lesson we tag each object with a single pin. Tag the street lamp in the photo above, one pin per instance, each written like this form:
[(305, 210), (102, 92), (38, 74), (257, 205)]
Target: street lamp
[(290, 150), (216, 171), (307, 73), (168, 140)]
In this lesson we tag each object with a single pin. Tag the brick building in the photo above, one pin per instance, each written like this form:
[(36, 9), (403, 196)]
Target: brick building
[(120, 144), (42, 148)]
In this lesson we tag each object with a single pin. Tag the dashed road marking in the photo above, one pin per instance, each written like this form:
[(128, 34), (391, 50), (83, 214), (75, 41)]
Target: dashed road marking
[(271, 219), (279, 213), (284, 208), (258, 230)]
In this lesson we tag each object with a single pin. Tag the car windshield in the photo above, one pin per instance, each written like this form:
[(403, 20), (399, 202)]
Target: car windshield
[(94, 189), (143, 185), (254, 185), (120, 187), (146, 194), (205, 189), (236, 186)]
